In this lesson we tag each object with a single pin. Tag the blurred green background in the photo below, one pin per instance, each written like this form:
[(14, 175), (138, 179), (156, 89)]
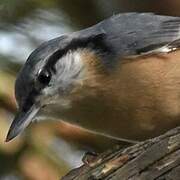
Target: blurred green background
[(48, 150)]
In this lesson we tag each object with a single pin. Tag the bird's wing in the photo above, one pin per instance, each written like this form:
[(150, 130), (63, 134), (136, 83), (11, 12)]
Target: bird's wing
[(132, 34)]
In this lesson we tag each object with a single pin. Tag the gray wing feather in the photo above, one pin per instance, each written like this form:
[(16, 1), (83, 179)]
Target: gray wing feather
[(141, 33)]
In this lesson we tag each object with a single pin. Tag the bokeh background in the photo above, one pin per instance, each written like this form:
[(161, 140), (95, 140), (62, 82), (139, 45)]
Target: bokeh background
[(48, 150)]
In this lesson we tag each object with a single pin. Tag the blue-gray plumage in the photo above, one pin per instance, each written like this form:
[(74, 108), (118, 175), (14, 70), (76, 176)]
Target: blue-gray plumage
[(93, 78)]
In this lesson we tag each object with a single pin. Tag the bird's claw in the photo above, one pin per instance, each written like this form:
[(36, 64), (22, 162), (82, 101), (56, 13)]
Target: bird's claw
[(89, 157)]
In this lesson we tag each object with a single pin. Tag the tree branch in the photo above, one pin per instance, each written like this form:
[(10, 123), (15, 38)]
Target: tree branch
[(157, 158)]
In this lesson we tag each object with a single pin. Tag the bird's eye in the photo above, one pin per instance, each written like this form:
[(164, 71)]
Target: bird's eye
[(44, 77)]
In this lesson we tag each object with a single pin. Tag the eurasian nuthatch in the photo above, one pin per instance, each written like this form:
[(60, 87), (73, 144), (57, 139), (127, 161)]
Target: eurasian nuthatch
[(120, 78)]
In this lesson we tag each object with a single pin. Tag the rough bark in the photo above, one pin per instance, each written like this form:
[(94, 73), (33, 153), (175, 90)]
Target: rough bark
[(157, 158)]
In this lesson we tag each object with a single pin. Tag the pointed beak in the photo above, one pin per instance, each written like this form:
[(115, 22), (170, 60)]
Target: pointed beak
[(21, 121)]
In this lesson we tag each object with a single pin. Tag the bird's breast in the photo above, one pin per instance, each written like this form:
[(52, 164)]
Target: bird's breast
[(139, 99)]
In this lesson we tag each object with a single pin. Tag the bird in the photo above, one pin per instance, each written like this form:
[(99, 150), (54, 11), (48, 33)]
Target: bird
[(119, 78)]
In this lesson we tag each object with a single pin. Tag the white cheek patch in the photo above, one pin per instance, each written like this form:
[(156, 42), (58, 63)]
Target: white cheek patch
[(70, 67), (61, 102), (69, 71)]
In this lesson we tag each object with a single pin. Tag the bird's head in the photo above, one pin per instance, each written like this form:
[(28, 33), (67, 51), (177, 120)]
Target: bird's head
[(52, 74)]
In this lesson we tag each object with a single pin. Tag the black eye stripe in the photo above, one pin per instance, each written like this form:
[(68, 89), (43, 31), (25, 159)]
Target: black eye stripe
[(54, 58), (94, 42)]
